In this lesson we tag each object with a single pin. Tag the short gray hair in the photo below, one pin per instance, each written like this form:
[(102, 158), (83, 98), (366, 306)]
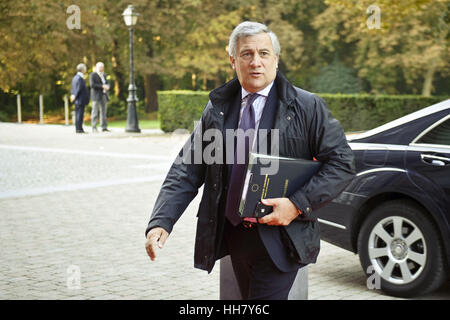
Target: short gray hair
[(81, 67), (249, 28)]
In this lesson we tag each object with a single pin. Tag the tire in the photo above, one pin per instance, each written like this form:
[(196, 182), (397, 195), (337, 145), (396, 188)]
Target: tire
[(399, 243)]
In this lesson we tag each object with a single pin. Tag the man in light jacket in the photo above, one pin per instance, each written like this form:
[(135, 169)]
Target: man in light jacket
[(99, 94)]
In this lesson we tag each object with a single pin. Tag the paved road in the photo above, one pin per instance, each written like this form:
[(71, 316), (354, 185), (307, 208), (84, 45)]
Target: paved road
[(73, 213)]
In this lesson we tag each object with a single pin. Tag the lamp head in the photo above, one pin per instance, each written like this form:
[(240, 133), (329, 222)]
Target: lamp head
[(130, 16)]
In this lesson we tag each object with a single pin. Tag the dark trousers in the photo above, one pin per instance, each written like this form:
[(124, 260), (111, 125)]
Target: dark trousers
[(256, 274), (79, 117)]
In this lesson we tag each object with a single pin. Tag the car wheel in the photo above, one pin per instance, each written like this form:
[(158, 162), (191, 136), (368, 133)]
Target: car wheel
[(403, 248)]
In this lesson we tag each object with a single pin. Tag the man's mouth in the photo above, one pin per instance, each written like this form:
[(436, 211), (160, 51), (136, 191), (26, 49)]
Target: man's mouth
[(255, 74)]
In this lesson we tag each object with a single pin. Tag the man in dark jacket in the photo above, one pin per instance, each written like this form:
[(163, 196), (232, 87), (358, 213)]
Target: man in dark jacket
[(79, 95), (265, 255)]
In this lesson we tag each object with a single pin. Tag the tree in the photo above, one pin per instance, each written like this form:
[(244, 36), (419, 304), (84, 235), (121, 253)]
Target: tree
[(42, 51), (191, 37), (37, 47), (411, 44), (161, 35), (207, 51)]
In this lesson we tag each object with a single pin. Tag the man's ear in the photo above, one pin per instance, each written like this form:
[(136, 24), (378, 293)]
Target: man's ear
[(232, 60)]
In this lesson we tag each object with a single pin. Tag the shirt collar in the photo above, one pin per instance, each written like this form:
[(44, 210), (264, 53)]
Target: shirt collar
[(80, 74), (264, 92)]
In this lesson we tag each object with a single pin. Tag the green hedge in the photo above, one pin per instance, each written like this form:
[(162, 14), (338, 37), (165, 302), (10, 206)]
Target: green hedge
[(356, 112), (180, 109)]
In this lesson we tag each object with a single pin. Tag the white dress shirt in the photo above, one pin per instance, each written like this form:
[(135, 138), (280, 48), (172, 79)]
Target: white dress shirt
[(102, 77), (258, 104)]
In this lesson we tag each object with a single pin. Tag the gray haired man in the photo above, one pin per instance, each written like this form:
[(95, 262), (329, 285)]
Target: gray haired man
[(99, 95), (265, 257)]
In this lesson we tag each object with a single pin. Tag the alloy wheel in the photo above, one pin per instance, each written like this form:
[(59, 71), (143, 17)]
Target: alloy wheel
[(397, 250)]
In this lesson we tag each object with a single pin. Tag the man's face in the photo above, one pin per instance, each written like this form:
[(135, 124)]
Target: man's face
[(255, 62), (100, 68)]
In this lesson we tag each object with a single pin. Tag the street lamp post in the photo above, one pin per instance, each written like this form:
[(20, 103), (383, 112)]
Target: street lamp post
[(130, 16)]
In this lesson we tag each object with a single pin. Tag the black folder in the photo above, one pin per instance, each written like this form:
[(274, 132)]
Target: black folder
[(272, 177)]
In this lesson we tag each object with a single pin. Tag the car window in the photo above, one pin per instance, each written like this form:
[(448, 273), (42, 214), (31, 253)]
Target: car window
[(438, 135)]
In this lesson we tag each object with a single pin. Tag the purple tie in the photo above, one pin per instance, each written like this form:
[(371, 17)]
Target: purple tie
[(238, 170)]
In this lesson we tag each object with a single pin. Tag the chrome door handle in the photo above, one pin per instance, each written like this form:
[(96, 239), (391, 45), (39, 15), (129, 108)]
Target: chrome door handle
[(435, 160)]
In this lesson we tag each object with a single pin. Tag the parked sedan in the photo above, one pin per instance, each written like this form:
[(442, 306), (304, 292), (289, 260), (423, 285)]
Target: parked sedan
[(396, 212)]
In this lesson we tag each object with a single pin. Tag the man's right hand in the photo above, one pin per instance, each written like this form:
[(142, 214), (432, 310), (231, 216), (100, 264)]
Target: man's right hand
[(156, 237)]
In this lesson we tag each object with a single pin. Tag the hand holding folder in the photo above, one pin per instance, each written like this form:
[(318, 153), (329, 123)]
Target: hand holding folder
[(284, 211), (275, 188)]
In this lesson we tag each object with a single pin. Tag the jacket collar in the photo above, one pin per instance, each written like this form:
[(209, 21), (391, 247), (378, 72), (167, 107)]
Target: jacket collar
[(224, 95), (286, 91)]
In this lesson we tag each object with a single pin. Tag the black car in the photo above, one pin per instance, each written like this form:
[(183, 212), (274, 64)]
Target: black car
[(396, 212)]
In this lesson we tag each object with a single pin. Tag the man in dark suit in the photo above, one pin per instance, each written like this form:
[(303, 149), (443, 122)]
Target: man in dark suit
[(265, 254), (99, 95), (79, 95)]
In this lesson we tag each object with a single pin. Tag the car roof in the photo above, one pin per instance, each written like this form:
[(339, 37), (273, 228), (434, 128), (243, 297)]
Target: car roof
[(400, 122)]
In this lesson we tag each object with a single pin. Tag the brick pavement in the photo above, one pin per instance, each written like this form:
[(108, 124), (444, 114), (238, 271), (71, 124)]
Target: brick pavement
[(73, 214)]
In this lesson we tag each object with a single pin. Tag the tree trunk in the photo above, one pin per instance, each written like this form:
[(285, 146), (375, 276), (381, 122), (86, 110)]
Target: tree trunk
[(194, 81), (205, 79), (428, 81), (93, 58), (119, 82), (217, 80), (151, 85), (55, 93)]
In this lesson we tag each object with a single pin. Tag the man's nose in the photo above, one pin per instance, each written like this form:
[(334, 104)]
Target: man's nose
[(256, 60)]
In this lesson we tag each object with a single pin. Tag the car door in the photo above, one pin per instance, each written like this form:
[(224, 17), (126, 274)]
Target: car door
[(428, 161)]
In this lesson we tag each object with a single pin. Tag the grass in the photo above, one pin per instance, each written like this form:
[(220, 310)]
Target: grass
[(143, 124), (146, 121)]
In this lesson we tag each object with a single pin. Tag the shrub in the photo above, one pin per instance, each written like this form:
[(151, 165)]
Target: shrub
[(117, 108), (336, 78), (180, 109), (356, 112), (3, 116)]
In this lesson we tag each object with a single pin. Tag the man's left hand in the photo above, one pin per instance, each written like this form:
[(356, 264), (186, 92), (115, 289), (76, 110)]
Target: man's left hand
[(284, 211)]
